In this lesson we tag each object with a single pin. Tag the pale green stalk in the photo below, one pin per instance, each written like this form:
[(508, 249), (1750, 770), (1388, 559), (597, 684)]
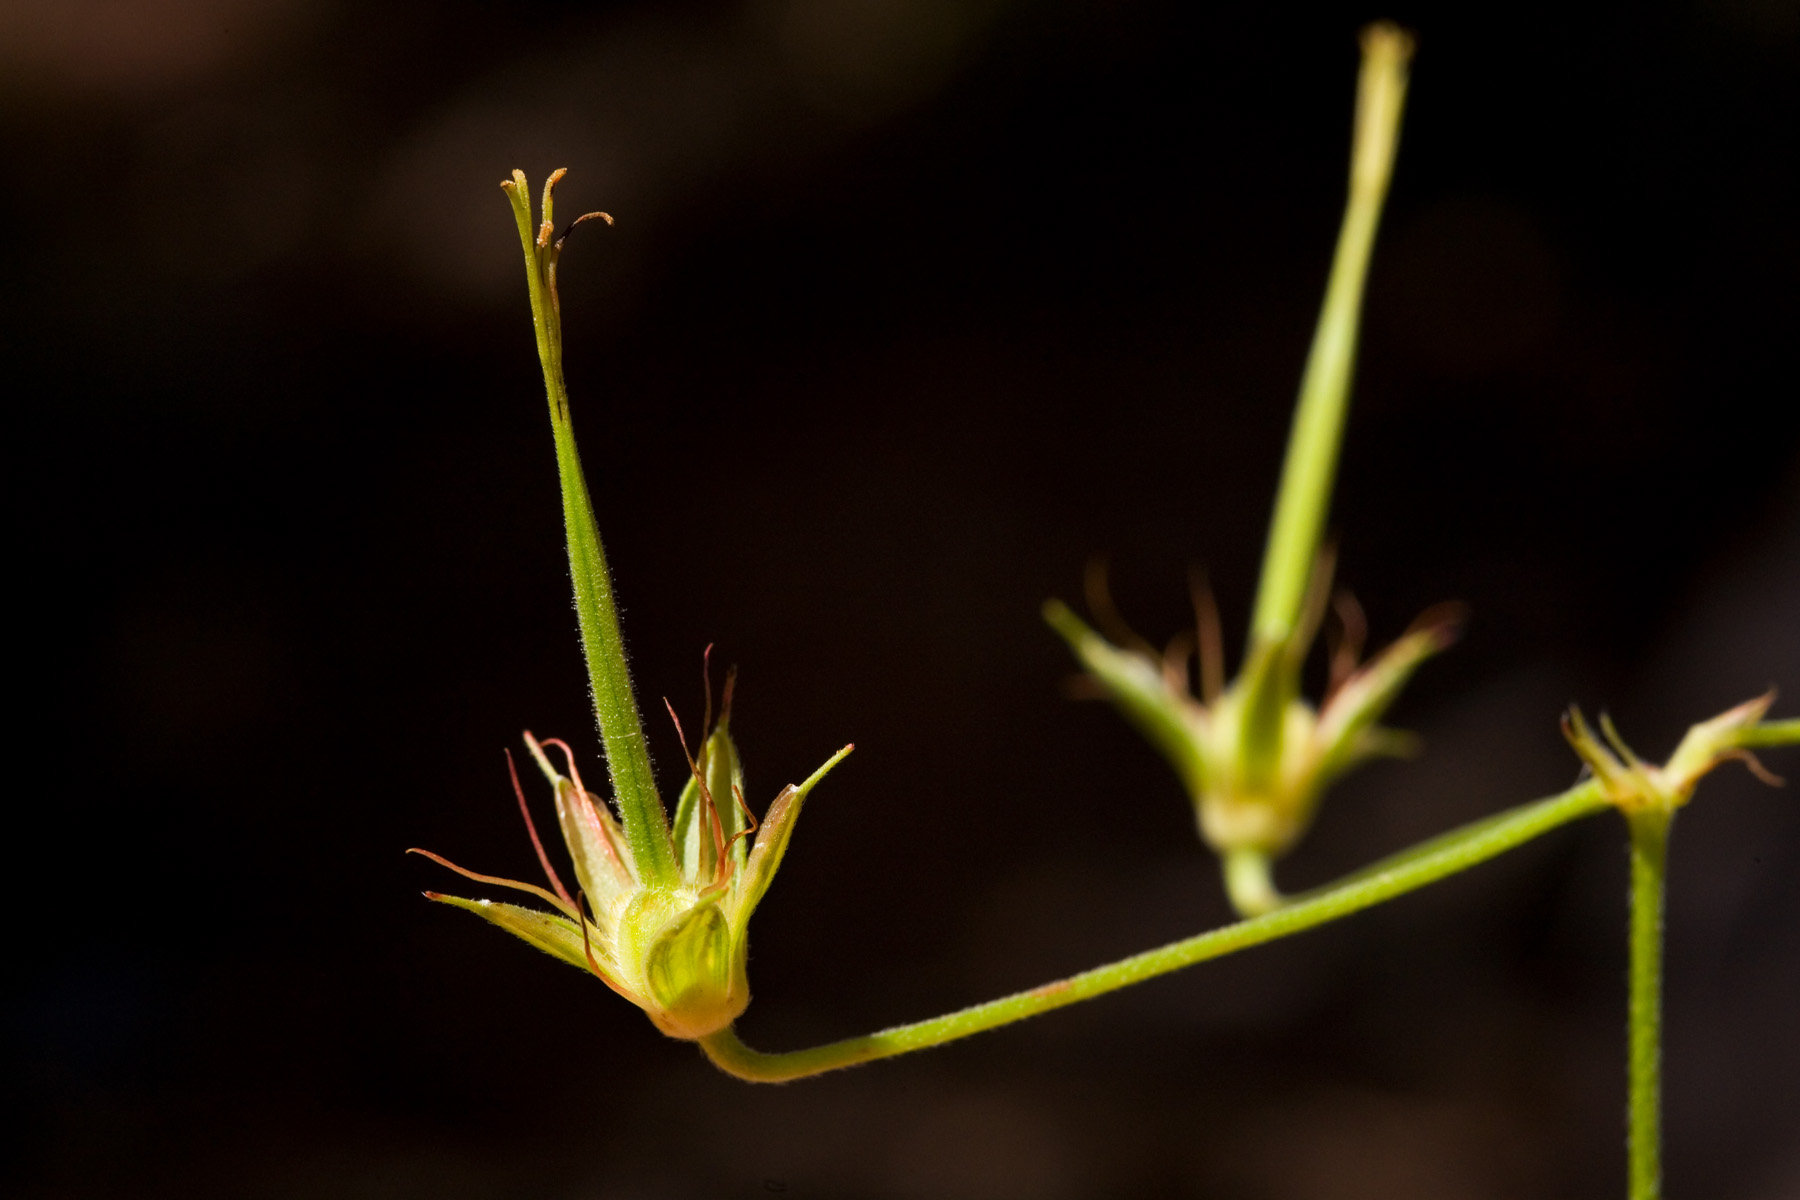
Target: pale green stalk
[(1404, 872), (1250, 882), (1318, 429), (1648, 796), (1649, 863), (1771, 733), (621, 732)]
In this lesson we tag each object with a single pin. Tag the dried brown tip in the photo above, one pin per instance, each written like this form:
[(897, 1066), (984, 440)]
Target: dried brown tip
[(706, 687), (1445, 622), (1175, 662), (537, 843), (1346, 640), (578, 220), (729, 692), (1083, 687), (1755, 766), (1106, 616), (1209, 634)]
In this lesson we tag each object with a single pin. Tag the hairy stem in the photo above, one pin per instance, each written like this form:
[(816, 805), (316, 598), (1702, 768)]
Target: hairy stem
[(621, 732), (1649, 861), (1404, 872)]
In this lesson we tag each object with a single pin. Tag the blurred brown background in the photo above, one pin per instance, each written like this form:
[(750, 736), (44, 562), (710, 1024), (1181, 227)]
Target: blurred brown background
[(912, 306)]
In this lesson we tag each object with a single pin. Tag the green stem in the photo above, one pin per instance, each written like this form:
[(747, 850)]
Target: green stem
[(621, 732), (1649, 862), (1318, 429), (1404, 872), (1250, 882), (1771, 733)]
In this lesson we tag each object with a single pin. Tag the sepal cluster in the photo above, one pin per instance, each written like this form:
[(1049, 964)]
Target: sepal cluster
[(675, 948), (1634, 786), (1255, 755)]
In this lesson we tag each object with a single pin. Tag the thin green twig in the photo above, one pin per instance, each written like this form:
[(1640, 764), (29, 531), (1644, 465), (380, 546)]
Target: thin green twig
[(621, 732), (1404, 872), (1318, 429), (1649, 862), (1771, 733)]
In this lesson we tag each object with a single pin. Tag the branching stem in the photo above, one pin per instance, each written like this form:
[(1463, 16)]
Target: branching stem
[(1411, 869)]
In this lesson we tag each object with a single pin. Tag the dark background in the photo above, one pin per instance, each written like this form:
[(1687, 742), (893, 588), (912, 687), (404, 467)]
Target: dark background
[(912, 306)]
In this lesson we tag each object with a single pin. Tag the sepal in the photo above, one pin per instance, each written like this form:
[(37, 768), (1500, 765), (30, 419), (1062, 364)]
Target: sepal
[(556, 936), (678, 952), (1634, 786), (772, 840), (1347, 723), (1255, 758), (1140, 689)]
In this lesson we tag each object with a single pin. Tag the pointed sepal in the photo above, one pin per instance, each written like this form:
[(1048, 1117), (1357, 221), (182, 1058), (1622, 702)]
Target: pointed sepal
[(555, 935), (1139, 688), (603, 864), (772, 840), (709, 816), (1347, 729)]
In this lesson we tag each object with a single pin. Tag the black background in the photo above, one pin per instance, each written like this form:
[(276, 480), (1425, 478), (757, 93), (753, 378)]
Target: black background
[(912, 306)]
